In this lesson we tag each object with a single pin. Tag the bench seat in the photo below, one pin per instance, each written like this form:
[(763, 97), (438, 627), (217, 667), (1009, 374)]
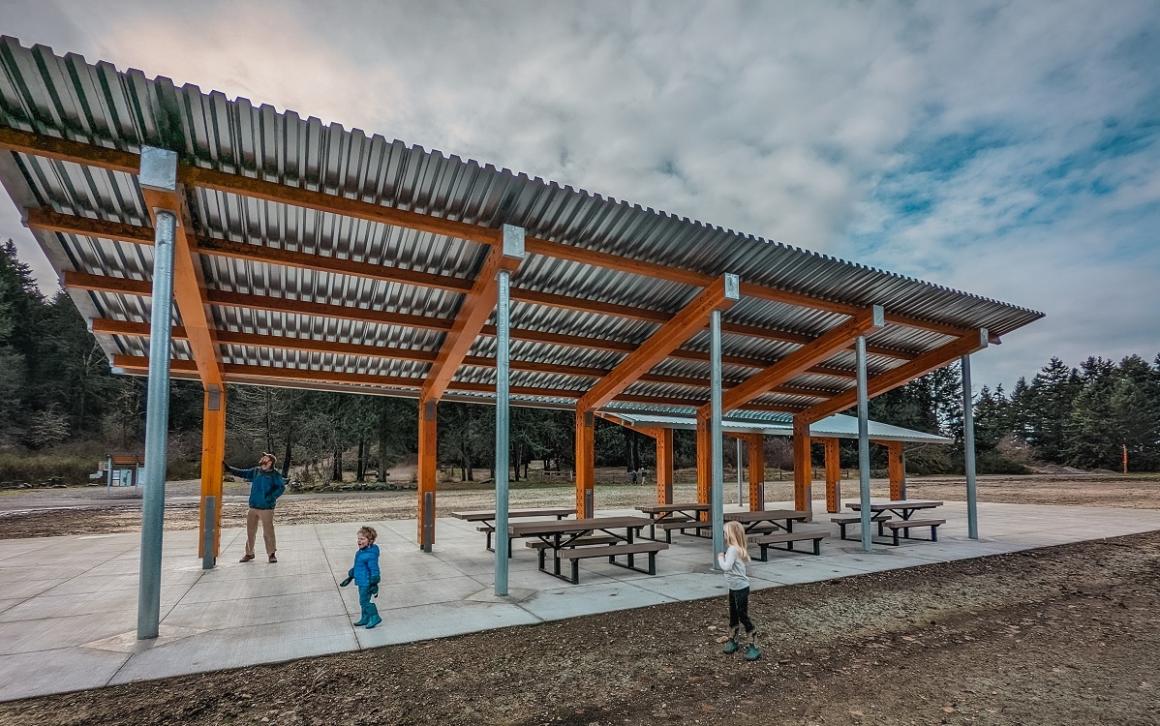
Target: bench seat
[(766, 541), (575, 554), (906, 524), (845, 520)]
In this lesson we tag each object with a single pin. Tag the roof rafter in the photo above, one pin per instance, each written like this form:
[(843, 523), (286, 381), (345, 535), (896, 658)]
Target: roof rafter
[(718, 296), (50, 221), (801, 359), (901, 375)]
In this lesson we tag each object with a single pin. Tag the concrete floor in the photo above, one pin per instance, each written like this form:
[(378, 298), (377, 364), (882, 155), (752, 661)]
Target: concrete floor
[(68, 604)]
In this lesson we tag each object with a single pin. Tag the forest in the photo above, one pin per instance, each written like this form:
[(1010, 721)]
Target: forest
[(61, 410)]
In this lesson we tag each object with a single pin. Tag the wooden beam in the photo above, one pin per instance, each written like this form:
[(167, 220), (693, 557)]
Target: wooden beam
[(756, 449), (803, 471), (428, 466), (50, 221), (704, 463), (585, 464), (474, 311), (802, 359), (664, 441), (188, 283), (719, 296), (213, 453), (896, 470), (903, 374), (115, 160), (833, 476)]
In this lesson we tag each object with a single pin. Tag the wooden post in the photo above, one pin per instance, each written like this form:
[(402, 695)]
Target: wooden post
[(1125, 457), (213, 453), (896, 469), (585, 463), (833, 477), (704, 463), (664, 441), (802, 466), (428, 467), (756, 472)]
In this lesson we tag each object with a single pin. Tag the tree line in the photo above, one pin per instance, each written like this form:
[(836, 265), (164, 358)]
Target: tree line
[(58, 396)]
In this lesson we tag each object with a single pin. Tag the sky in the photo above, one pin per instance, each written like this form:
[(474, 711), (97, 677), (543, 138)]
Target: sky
[(1007, 149)]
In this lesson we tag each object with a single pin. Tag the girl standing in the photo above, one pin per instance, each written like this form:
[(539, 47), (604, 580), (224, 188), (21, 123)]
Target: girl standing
[(732, 562)]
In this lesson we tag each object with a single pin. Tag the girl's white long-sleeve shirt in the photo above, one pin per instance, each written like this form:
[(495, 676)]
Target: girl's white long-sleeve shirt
[(734, 568)]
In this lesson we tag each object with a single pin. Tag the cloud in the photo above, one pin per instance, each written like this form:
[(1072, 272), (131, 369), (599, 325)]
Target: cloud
[(1007, 149)]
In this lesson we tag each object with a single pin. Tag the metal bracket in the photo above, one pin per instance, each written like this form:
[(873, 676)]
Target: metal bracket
[(158, 169)]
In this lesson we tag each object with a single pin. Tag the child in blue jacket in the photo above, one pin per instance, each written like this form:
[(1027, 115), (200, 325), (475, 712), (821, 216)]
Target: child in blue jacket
[(365, 574)]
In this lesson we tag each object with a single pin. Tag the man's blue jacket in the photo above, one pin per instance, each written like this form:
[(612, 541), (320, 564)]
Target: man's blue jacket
[(265, 486)]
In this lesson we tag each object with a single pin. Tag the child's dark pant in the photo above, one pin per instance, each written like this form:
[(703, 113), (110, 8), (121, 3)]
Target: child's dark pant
[(739, 609), (364, 601)]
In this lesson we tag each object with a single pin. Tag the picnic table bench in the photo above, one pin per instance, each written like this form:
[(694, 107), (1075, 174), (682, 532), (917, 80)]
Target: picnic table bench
[(573, 540), (904, 509), (767, 541), (664, 515), (845, 520), (487, 517)]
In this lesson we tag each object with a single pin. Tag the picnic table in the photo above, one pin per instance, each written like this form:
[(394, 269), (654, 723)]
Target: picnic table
[(904, 509), (487, 517), (768, 520), (577, 539), (668, 514)]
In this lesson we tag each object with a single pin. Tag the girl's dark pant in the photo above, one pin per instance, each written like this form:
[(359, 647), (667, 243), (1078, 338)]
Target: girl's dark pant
[(739, 609)]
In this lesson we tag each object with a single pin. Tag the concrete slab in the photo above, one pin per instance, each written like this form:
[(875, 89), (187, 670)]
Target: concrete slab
[(71, 611), (66, 669)]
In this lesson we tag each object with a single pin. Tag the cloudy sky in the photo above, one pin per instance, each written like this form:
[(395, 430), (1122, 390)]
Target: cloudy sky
[(1007, 149)]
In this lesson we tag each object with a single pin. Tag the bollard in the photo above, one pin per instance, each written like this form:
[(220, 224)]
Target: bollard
[(209, 551), (428, 521)]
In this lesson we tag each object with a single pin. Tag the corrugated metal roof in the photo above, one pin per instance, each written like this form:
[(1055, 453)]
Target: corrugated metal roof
[(66, 97)]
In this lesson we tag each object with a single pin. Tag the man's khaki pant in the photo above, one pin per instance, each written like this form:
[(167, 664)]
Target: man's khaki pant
[(266, 517)]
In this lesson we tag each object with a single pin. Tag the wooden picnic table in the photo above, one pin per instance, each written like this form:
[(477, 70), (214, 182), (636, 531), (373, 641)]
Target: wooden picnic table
[(561, 536), (903, 508), (487, 517), (768, 519), (664, 513)]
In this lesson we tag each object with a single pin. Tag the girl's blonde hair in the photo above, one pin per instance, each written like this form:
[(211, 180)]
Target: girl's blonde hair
[(369, 533), (735, 537)]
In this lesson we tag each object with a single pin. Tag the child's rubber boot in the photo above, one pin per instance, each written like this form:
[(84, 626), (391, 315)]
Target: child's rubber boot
[(751, 651), (731, 645), (362, 621), (374, 619)]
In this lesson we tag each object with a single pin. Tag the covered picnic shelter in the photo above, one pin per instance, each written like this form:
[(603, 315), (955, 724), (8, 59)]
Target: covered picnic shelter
[(231, 243)]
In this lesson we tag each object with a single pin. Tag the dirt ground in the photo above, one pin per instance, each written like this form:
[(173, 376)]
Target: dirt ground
[(1065, 635), (88, 510)]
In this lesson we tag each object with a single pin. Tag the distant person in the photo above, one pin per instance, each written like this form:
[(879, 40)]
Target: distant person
[(266, 485), (732, 562), (365, 574)]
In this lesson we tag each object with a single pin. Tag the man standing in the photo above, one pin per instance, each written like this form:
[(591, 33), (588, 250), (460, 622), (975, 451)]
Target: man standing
[(266, 485)]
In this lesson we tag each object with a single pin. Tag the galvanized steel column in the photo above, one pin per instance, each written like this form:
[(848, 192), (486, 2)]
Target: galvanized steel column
[(716, 456), (156, 429), (863, 443), (969, 450), (513, 246)]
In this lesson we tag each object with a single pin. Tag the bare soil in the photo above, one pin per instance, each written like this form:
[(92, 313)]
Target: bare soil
[(1065, 635), (88, 510)]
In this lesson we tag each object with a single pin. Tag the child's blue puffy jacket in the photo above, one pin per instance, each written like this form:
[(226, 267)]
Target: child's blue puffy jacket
[(265, 486), (366, 565)]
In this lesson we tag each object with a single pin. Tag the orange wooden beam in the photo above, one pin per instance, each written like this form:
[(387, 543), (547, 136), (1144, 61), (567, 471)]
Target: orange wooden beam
[(213, 453), (803, 471), (665, 466), (428, 467), (474, 311), (92, 155), (801, 359), (833, 476), (756, 448), (50, 221), (125, 286), (896, 470), (704, 463), (719, 296), (585, 464), (902, 375)]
